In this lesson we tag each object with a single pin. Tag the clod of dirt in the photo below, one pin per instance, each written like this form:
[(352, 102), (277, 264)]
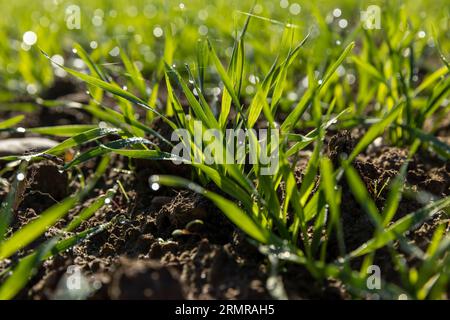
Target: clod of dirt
[(145, 279), (180, 211), (340, 145), (48, 179), (20, 146)]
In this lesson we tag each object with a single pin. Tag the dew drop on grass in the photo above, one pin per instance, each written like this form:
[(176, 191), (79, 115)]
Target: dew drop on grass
[(93, 44), (343, 23), (97, 21), (292, 96), (32, 89), (114, 52), (155, 186), (153, 182), (295, 9), (107, 200), (337, 12), (29, 38), (351, 78), (97, 285), (203, 30), (20, 176), (284, 4), (158, 31), (203, 14), (78, 63), (57, 60)]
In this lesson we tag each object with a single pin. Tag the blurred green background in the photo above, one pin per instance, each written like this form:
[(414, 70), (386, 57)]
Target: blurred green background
[(141, 27)]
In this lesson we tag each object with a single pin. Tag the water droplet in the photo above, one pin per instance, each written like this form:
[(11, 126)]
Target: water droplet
[(292, 96), (114, 52), (97, 284), (421, 34), (295, 9), (351, 78), (29, 38), (158, 31), (155, 186), (343, 23), (107, 200), (20, 176), (203, 30), (284, 4), (253, 79), (93, 44), (78, 63), (97, 21), (32, 88), (203, 14), (337, 12), (57, 60)]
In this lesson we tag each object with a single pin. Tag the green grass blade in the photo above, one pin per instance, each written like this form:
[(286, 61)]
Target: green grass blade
[(63, 131), (106, 148), (375, 131), (11, 122), (407, 223), (7, 207)]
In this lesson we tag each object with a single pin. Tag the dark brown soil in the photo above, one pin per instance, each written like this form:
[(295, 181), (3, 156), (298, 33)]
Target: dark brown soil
[(157, 254)]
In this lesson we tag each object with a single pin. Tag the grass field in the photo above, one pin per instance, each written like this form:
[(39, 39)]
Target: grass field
[(225, 149)]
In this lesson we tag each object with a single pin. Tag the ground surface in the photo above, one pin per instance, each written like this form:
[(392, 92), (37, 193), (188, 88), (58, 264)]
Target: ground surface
[(141, 258)]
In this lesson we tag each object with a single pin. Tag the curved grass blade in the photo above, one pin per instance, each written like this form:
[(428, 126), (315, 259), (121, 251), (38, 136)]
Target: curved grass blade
[(49, 217), (11, 122), (106, 148), (407, 223), (27, 266), (7, 207), (63, 131), (375, 131), (112, 88)]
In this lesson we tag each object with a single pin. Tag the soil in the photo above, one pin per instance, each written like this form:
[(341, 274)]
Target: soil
[(158, 253)]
